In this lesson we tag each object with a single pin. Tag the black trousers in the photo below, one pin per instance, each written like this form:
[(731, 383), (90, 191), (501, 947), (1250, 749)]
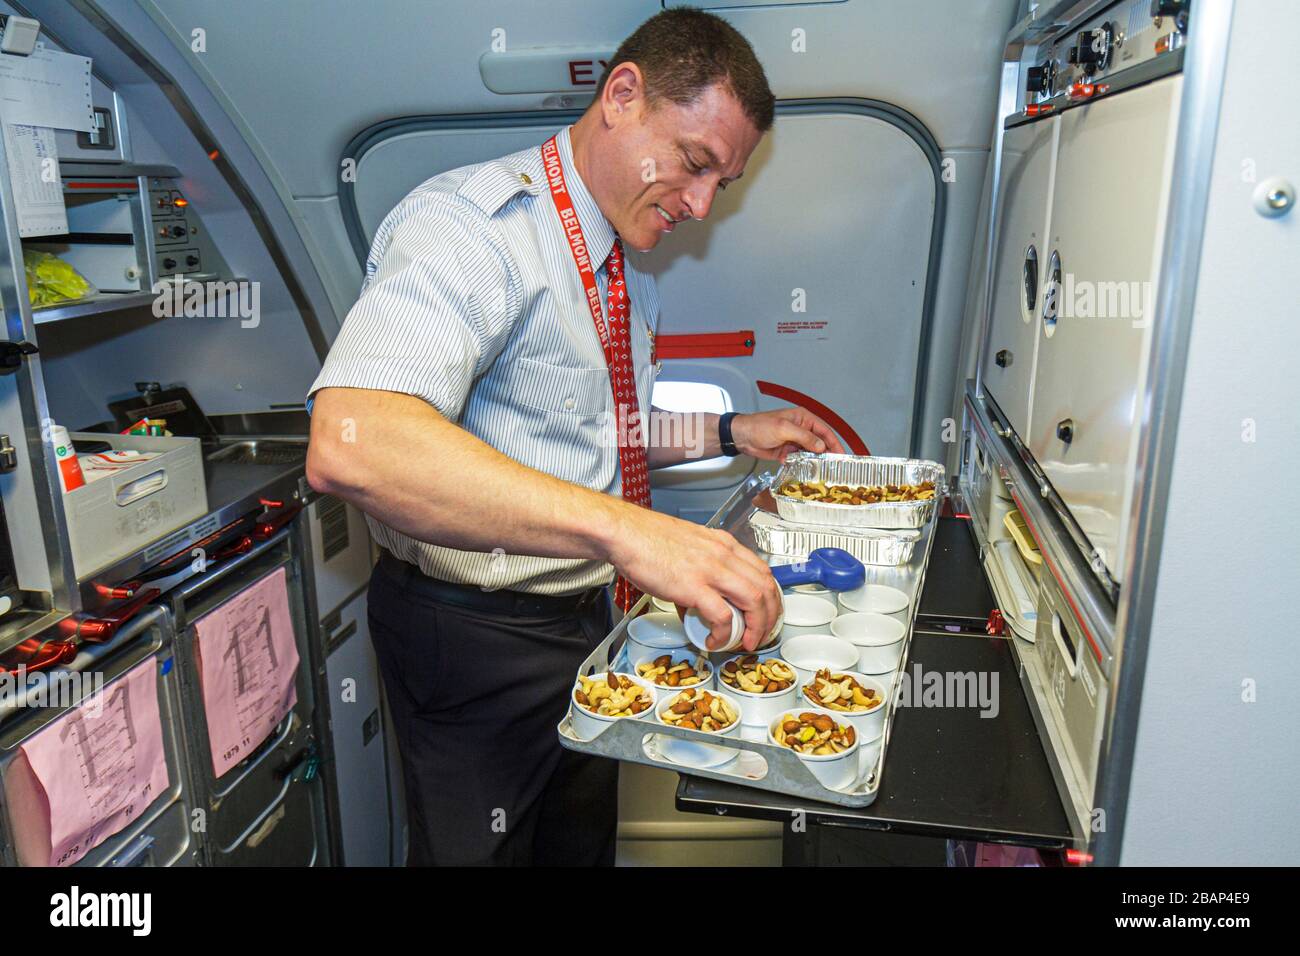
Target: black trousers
[(475, 697)]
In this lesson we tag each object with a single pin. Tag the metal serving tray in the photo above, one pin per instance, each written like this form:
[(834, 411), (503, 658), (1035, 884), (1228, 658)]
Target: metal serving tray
[(857, 470), (762, 765)]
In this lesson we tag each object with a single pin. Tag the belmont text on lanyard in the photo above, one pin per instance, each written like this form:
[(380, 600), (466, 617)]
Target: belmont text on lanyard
[(573, 232)]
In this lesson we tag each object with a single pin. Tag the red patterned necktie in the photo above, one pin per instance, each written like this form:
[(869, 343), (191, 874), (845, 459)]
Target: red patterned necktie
[(631, 454)]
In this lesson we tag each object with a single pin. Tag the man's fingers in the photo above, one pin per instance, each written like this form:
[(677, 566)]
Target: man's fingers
[(714, 612), (794, 433), (826, 433), (755, 593)]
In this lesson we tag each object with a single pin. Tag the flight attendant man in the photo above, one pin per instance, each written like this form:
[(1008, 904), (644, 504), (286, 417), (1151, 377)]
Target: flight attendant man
[(464, 407)]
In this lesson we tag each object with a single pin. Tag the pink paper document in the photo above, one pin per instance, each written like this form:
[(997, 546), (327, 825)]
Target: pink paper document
[(90, 773), (247, 663)]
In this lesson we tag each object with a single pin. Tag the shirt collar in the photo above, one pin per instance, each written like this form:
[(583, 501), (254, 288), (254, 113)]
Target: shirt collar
[(596, 229)]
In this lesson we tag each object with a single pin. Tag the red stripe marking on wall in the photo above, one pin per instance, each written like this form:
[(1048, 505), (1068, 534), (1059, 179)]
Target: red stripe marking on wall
[(850, 437), (705, 345), (102, 185)]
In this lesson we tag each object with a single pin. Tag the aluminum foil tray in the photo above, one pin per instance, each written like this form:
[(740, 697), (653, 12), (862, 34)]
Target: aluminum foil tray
[(857, 470), (868, 545)]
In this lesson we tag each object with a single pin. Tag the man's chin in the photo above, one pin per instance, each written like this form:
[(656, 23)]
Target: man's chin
[(643, 240)]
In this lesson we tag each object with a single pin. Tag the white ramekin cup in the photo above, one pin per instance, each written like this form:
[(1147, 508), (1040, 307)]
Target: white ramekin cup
[(809, 653), (807, 614), (654, 634), (698, 753), (759, 709), (879, 639), (688, 654), (833, 771), (588, 725), (869, 724), (878, 598)]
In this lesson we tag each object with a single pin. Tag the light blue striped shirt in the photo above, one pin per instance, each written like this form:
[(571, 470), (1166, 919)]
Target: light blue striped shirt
[(472, 302)]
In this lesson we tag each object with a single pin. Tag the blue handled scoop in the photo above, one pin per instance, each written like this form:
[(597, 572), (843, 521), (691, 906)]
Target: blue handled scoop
[(832, 568)]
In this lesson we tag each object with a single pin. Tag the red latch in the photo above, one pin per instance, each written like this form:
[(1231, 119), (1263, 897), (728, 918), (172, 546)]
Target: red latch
[(1083, 91), (996, 625), (705, 345), (97, 630), (1033, 109), (269, 525), (40, 655)]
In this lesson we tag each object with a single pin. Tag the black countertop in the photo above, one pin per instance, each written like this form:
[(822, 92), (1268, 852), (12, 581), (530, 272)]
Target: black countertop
[(948, 771)]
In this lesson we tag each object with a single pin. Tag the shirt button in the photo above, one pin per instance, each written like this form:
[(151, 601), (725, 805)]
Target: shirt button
[(568, 403), (528, 181)]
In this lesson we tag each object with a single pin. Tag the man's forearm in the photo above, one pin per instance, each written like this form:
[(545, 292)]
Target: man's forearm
[(396, 458), (675, 437)]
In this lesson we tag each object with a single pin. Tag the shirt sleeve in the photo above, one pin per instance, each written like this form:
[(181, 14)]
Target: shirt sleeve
[(436, 309)]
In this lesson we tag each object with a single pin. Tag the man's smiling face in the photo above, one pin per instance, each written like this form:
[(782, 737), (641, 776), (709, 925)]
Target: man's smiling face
[(661, 163)]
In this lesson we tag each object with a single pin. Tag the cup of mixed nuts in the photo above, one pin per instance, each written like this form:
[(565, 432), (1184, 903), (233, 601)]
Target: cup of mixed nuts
[(766, 686), (600, 699), (673, 671), (823, 740), (707, 711), (857, 698)]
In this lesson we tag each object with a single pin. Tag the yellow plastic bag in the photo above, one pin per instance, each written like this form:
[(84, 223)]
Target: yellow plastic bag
[(51, 280)]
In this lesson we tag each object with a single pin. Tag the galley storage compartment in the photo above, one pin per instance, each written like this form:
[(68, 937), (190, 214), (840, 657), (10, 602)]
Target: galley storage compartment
[(132, 505)]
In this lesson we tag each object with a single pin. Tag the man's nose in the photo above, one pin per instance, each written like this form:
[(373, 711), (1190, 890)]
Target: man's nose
[(699, 199)]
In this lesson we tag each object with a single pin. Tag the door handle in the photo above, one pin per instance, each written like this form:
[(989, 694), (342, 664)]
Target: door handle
[(1029, 274), (1052, 292)]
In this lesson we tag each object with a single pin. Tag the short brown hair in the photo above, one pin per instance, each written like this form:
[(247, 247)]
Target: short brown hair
[(682, 52)]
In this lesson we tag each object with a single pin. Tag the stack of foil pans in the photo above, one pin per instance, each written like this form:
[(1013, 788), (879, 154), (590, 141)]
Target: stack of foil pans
[(854, 470), (870, 546)]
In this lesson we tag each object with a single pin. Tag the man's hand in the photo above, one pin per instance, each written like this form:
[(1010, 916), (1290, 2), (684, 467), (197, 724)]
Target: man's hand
[(776, 434), (700, 568)]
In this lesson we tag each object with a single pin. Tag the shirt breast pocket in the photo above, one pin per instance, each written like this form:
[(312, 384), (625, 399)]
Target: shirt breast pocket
[(563, 390)]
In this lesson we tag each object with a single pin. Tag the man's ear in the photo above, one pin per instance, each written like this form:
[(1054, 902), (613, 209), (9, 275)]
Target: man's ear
[(623, 94)]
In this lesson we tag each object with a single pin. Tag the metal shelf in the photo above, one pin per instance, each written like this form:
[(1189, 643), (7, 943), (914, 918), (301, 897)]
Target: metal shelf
[(91, 305), (117, 302)]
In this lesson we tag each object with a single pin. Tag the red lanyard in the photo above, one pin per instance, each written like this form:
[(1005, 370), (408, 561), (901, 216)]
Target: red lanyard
[(577, 244)]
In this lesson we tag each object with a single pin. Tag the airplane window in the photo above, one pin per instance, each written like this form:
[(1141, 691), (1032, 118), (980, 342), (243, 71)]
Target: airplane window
[(693, 397), (690, 397)]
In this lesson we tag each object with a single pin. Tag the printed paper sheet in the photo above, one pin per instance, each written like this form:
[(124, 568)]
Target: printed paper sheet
[(89, 773), (247, 663)]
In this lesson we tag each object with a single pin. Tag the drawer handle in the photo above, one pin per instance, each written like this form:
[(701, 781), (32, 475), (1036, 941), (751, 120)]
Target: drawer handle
[(1065, 430), (143, 487), (1003, 358)]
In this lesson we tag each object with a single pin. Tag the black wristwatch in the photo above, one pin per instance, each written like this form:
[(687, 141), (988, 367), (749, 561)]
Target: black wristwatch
[(724, 435)]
